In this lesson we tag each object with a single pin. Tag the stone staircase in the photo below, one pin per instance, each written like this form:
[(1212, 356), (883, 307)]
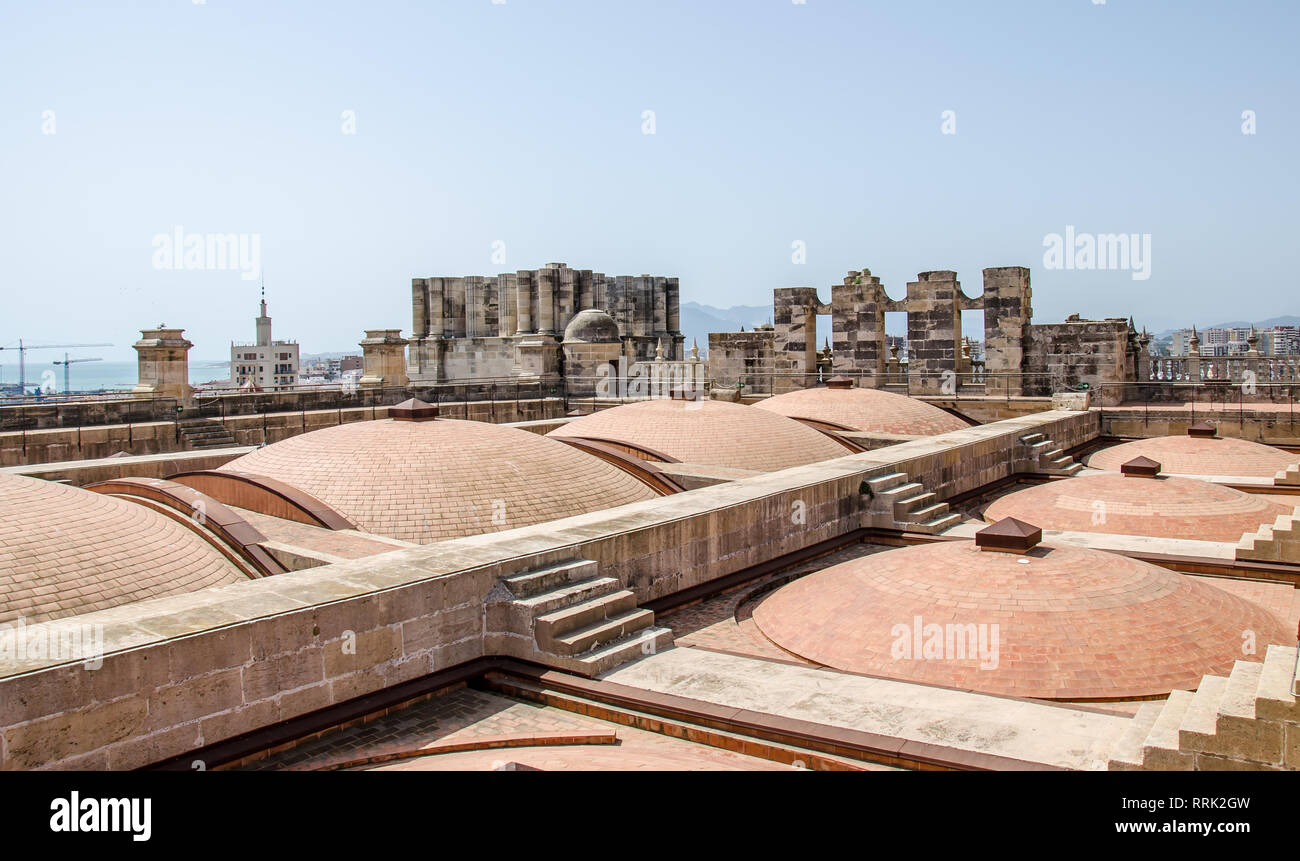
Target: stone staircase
[(568, 616), (1289, 477), (205, 433), (1247, 721), (1279, 542), (1046, 458), (899, 503)]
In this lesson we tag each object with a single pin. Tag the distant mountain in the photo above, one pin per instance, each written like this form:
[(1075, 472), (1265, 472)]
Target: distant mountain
[(699, 320)]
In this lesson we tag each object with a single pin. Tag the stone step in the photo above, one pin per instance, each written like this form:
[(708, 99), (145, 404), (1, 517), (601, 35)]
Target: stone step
[(544, 579), (1288, 476), (1274, 698), (650, 640), (1031, 438), (913, 503), (886, 482), (903, 491), (552, 626), (603, 632), (1202, 715), (569, 594), (939, 524), (930, 513), (1160, 750), (1127, 753), (1053, 455), (1239, 697)]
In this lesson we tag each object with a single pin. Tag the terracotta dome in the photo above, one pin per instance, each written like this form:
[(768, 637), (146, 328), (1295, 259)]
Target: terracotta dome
[(709, 432), (592, 325), (1190, 455), (65, 551), (1163, 507), (870, 410), (428, 481), (1072, 623)]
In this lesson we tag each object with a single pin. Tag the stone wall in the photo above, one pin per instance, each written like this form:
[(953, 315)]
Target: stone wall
[(470, 327), (1063, 355), (57, 445), (746, 357), (191, 670)]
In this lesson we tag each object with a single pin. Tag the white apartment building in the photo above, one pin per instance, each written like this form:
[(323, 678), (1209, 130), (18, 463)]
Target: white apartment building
[(266, 365)]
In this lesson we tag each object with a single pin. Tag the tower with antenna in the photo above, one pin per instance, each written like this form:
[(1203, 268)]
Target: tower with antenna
[(265, 365)]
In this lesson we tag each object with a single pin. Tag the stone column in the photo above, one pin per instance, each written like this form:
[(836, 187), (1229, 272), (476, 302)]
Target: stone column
[(383, 359), (858, 309), (1008, 310), (547, 284), (933, 329), (794, 317), (525, 285), (507, 306), (164, 365)]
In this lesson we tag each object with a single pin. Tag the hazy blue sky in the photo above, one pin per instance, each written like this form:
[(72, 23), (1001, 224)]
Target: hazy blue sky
[(523, 122)]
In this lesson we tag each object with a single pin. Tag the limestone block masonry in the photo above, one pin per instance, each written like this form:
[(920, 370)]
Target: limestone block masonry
[(1248, 721), (185, 671), (510, 325)]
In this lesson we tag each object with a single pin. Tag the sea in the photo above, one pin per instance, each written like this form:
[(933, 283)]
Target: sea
[(101, 376)]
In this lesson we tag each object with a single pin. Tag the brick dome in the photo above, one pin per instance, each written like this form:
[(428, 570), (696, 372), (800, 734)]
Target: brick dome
[(1163, 507), (1072, 623), (870, 410), (1189, 455), (709, 432), (428, 481), (65, 551)]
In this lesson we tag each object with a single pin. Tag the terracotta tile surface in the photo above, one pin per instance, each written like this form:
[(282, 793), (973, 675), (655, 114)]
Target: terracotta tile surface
[(64, 551), (1073, 623), (429, 481), (1188, 455), (872, 410), (1164, 507), (715, 433)]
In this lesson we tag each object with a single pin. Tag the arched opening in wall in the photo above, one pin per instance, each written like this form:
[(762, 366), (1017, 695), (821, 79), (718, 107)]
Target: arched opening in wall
[(970, 348), (894, 355), (824, 345)]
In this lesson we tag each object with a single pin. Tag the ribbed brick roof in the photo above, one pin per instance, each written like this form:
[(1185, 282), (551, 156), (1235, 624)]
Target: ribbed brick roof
[(1188, 455), (1072, 623), (433, 480), (64, 551), (1164, 507), (870, 410), (710, 432)]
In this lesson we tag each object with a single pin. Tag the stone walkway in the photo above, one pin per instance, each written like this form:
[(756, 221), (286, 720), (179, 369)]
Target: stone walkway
[(466, 717), (1025, 731)]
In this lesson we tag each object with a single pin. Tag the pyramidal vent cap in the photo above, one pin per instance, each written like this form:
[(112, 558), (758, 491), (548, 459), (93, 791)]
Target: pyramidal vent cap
[(413, 410), (1009, 535)]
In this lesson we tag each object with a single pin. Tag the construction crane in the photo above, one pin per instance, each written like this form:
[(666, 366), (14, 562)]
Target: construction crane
[(22, 356), (67, 386)]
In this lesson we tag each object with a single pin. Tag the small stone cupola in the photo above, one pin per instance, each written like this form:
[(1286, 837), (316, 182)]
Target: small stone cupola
[(1203, 430), (839, 382)]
